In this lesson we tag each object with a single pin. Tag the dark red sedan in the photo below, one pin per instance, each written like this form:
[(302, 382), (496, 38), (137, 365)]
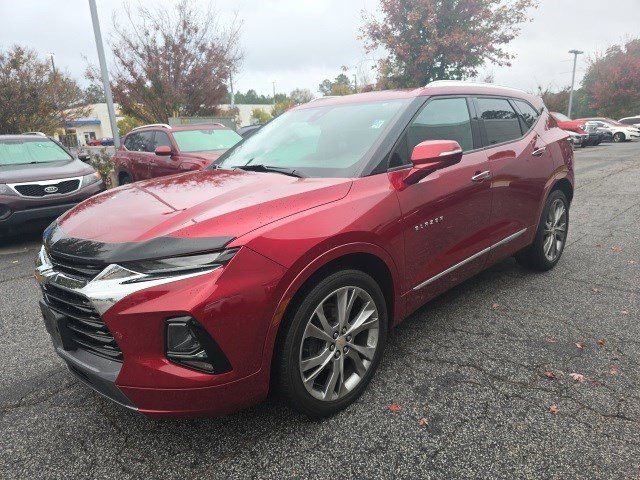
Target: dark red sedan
[(159, 150), (287, 262)]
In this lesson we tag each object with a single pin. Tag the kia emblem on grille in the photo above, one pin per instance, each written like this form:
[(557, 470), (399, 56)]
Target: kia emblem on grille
[(51, 189)]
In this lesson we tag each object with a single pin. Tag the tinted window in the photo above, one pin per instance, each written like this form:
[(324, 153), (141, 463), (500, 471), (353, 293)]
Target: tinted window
[(528, 114), (133, 142), (162, 140), (500, 120), (630, 121), (147, 142), (444, 119)]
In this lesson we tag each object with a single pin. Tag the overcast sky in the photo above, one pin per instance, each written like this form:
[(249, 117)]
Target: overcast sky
[(298, 43)]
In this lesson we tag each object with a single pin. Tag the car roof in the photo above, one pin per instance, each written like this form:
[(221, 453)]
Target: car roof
[(440, 87), (179, 128)]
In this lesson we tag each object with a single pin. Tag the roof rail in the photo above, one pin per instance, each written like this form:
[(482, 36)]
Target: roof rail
[(323, 98), (470, 84), (163, 125)]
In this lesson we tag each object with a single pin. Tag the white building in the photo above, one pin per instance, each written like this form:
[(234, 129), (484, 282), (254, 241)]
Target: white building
[(95, 125)]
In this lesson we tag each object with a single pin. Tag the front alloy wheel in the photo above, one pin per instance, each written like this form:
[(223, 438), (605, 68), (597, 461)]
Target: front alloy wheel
[(331, 342), (339, 343)]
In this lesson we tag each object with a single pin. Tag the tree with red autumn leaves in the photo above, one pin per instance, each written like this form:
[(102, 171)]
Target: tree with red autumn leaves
[(612, 80), (172, 62), (32, 96), (428, 40)]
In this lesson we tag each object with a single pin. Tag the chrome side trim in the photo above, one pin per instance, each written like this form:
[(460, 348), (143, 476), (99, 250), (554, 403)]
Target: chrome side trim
[(470, 259)]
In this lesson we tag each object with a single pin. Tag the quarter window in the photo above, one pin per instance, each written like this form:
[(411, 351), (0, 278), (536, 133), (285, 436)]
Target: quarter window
[(500, 120), (133, 143), (528, 114), (162, 140)]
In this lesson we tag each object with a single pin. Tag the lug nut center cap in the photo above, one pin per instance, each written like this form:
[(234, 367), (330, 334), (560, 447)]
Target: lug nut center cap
[(341, 342)]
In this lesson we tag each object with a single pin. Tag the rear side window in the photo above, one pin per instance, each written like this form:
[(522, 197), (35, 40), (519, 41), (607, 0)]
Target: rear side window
[(500, 120), (630, 121), (528, 114), (138, 142)]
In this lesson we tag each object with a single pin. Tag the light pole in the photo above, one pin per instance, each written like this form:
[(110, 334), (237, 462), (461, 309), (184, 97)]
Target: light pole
[(575, 54), (105, 73), (55, 92), (274, 93)]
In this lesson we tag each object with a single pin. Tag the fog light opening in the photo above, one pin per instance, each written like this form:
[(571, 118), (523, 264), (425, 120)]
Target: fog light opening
[(189, 345)]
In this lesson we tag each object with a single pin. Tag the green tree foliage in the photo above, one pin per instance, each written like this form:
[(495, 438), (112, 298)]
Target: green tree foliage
[(301, 95), (558, 101), (172, 61), (251, 98), (429, 40), (128, 123), (32, 97), (612, 80), (260, 116), (94, 93), (340, 86)]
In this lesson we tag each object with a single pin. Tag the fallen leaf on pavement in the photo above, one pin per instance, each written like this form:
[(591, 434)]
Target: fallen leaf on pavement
[(614, 370), (15, 261), (394, 407), (554, 409), (551, 340), (580, 345), (578, 377), (495, 306), (595, 290), (423, 422), (550, 375), (598, 245), (624, 312), (601, 342), (632, 262), (616, 249)]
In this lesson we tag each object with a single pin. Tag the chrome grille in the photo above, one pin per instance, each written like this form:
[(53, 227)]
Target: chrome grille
[(85, 327), (53, 187)]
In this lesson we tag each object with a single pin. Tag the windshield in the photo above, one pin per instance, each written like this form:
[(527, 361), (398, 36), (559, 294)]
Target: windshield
[(30, 150), (205, 140), (561, 117), (322, 141)]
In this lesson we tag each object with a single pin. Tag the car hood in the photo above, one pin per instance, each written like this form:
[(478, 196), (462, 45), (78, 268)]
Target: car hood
[(222, 204), (43, 171)]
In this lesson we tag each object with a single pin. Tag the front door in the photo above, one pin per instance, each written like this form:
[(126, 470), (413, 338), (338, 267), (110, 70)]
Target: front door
[(161, 165), (446, 214)]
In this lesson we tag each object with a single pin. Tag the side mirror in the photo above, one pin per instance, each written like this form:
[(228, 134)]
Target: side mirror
[(84, 157), (163, 151), (432, 155)]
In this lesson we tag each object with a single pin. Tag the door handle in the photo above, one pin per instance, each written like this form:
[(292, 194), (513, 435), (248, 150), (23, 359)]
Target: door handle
[(481, 176), (538, 152)]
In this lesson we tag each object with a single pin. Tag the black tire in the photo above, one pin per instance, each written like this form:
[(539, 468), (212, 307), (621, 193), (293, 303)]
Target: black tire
[(288, 369), (124, 178), (534, 256), (619, 137)]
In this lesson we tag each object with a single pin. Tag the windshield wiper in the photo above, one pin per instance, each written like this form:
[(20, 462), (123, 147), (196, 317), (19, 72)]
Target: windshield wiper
[(267, 168)]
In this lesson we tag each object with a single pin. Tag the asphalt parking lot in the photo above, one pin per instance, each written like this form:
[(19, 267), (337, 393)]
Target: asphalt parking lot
[(473, 377)]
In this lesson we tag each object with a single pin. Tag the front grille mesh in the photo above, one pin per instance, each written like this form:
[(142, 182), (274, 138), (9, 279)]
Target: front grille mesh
[(36, 190), (85, 271), (84, 325)]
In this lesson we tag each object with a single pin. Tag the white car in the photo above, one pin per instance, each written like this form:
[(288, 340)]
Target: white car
[(620, 131), (631, 121)]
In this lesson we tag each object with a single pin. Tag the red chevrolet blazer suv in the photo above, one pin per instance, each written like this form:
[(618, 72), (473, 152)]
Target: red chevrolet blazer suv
[(284, 265)]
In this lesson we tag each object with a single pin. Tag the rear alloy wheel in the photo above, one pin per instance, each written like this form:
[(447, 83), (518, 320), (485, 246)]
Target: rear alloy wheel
[(334, 344), (619, 137), (551, 236)]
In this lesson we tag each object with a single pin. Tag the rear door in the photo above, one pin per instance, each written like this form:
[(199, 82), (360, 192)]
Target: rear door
[(445, 214), (134, 156), (520, 165)]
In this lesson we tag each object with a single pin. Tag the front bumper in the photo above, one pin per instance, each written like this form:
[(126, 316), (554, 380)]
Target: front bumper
[(23, 210), (234, 304)]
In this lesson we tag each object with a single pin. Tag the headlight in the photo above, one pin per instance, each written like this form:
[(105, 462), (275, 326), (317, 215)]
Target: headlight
[(7, 190), (180, 265), (91, 178)]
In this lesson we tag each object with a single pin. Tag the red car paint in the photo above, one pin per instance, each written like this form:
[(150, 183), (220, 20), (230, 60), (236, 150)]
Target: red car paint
[(576, 126), (143, 165), (288, 228)]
